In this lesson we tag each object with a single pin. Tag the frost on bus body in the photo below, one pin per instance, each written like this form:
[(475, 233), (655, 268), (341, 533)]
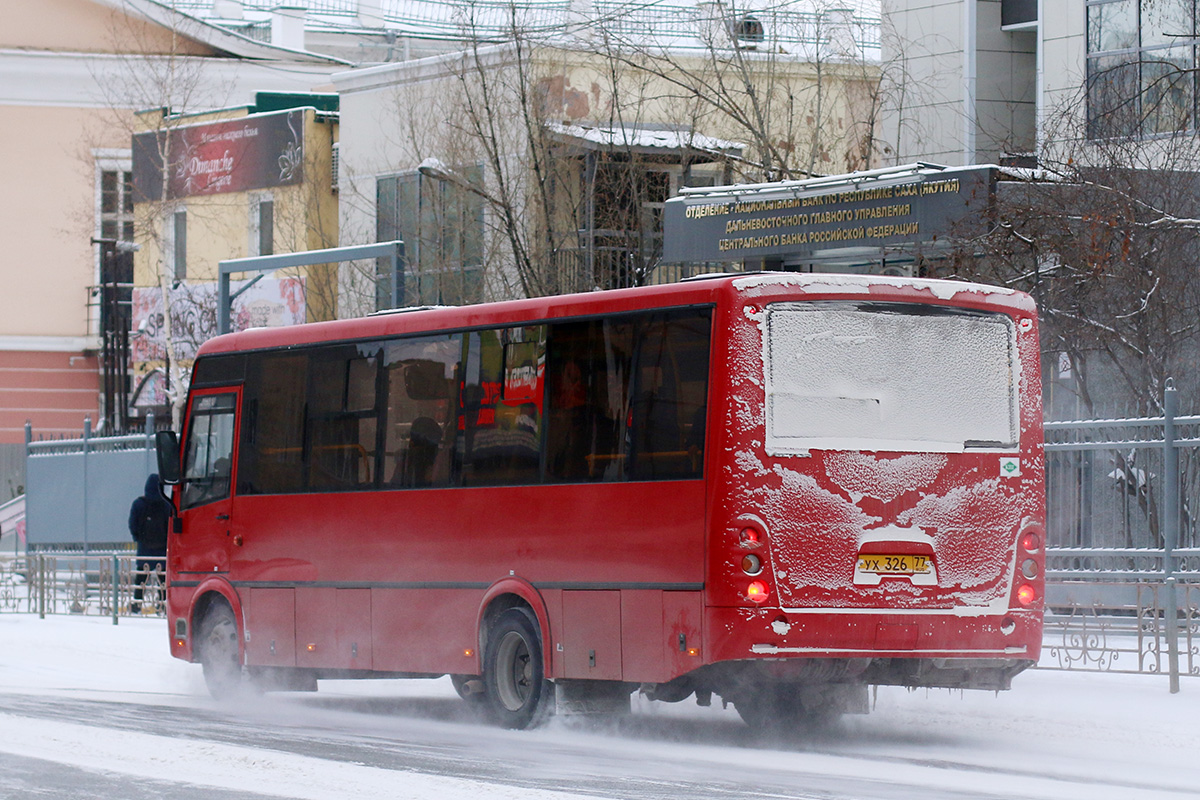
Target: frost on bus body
[(876, 394)]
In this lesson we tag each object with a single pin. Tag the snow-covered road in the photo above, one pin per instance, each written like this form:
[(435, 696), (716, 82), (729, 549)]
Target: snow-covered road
[(96, 711)]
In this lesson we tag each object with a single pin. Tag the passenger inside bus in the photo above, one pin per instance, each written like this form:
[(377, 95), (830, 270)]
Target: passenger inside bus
[(424, 442), (568, 403)]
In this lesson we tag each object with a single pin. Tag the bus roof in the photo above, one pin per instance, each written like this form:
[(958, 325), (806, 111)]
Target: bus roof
[(705, 289)]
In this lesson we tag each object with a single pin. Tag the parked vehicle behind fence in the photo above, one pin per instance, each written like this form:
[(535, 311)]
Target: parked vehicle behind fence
[(776, 488)]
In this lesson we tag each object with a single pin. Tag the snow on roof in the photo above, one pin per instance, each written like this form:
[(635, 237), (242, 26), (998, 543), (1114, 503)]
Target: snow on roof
[(646, 138), (190, 19), (835, 282), (801, 27), (824, 183)]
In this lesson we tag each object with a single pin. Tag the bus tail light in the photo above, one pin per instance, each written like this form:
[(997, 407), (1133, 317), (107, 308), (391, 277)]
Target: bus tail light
[(750, 536), (1030, 542), (1026, 595), (757, 592), (751, 564)]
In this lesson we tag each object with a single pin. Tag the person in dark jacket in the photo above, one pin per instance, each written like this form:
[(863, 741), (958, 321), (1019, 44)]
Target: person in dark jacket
[(148, 519)]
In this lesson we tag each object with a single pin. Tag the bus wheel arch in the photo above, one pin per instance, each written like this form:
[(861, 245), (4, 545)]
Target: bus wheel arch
[(508, 594), (208, 594)]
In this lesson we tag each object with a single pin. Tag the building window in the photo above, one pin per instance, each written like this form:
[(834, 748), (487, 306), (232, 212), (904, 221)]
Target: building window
[(264, 223), (179, 244), (116, 205), (1018, 12), (1141, 67), (626, 237), (440, 221)]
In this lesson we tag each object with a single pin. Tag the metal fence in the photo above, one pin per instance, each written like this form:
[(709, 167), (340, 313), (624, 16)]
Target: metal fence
[(1106, 480), (78, 491), (71, 583), (1123, 560), (1121, 625)]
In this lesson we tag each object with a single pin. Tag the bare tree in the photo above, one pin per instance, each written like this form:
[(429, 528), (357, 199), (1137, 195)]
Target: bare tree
[(798, 87), (571, 136), (1104, 236), (163, 65)]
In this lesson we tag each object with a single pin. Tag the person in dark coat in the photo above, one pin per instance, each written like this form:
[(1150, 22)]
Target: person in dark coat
[(149, 517)]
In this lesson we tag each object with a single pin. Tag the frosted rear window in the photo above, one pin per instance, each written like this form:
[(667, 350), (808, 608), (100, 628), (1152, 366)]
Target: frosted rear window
[(888, 377)]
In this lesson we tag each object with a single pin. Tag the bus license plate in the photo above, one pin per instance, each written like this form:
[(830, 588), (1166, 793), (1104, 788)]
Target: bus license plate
[(894, 565)]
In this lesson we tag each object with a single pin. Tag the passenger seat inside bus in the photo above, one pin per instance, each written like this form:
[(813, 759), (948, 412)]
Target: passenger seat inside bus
[(424, 442)]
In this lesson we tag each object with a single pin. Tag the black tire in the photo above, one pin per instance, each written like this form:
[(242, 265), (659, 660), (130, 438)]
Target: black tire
[(781, 712), (517, 692), (218, 650)]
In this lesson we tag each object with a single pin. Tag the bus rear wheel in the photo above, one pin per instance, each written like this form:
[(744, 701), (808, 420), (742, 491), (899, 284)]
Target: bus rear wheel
[(218, 646), (518, 694), (788, 711)]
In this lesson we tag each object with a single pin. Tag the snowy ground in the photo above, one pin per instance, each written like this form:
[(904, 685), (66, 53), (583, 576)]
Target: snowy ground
[(88, 709)]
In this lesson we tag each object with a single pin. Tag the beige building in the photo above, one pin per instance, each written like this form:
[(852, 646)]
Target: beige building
[(72, 72), (249, 181)]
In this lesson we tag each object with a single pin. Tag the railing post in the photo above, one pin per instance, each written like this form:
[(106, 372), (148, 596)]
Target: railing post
[(223, 302), (41, 573), (87, 435), (394, 270), (116, 586), (1171, 529)]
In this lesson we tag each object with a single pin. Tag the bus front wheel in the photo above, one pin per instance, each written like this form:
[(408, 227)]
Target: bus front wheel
[(518, 693), (218, 646)]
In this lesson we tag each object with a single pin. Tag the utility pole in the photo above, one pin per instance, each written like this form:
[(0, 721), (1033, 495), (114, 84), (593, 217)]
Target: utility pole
[(116, 309)]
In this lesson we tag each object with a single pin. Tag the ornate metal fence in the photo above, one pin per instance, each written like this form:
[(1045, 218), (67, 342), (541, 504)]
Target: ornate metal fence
[(1118, 625), (69, 583)]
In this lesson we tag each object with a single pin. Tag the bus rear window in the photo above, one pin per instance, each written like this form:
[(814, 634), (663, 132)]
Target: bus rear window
[(876, 376)]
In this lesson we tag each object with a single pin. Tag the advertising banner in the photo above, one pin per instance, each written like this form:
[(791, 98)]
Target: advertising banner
[(268, 303), (235, 155)]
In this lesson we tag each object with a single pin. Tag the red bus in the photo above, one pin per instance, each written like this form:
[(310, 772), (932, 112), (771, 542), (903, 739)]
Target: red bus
[(777, 488)]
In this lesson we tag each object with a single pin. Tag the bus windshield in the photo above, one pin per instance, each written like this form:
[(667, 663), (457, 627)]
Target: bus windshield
[(888, 376)]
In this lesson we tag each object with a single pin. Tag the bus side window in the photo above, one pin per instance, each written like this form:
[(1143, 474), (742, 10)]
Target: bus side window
[(420, 423), (272, 457), (588, 366), (502, 406), (207, 460), (342, 418), (670, 396)]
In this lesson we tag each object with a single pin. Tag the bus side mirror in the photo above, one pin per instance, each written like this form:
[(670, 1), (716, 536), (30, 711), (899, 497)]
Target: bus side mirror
[(167, 445)]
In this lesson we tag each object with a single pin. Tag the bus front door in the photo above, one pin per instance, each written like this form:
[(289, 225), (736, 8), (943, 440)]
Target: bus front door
[(208, 474)]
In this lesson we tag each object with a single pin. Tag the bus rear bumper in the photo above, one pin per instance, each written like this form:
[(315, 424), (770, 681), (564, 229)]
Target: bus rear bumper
[(733, 679), (937, 643)]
